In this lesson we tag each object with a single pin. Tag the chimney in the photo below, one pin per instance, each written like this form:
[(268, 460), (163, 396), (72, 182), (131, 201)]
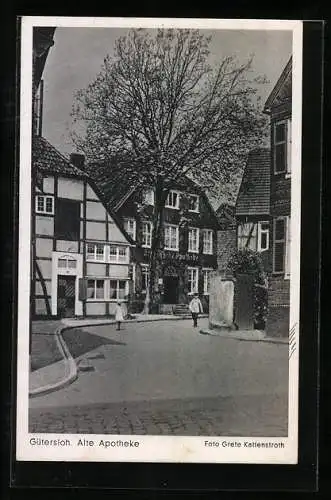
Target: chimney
[(78, 160)]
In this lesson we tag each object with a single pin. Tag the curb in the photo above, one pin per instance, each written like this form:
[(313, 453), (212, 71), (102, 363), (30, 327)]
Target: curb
[(70, 367), (233, 336), (128, 321), (71, 364)]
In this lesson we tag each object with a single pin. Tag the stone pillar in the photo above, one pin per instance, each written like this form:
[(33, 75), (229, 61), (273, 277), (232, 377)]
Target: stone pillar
[(221, 302)]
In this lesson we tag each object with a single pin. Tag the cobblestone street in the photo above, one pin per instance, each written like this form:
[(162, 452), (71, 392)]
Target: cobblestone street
[(166, 378)]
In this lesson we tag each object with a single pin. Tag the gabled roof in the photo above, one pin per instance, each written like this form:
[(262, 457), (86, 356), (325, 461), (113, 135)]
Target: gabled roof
[(48, 160), (254, 192), (282, 91), (117, 187)]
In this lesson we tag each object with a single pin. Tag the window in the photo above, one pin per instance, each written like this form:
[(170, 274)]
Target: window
[(247, 236), (107, 289), (206, 280), (279, 244), (148, 197), (282, 146), (118, 254), (96, 289), (193, 240), (172, 200), (193, 279), (67, 219), (44, 204), (144, 278), (208, 241), (130, 227), (147, 234), (193, 203), (171, 237), (67, 263), (118, 289), (95, 251), (263, 236)]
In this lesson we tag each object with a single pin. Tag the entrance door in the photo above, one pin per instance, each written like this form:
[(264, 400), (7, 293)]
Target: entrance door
[(66, 296), (244, 316), (170, 284)]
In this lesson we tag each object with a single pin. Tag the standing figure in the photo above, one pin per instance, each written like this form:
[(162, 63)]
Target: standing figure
[(195, 307), (119, 315)]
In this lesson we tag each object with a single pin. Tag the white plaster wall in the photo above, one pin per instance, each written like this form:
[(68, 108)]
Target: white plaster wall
[(114, 234), (44, 225), (118, 271), (44, 247), (66, 246), (70, 188), (90, 193), (94, 269), (95, 210), (96, 231), (45, 267), (95, 308), (48, 185), (39, 290)]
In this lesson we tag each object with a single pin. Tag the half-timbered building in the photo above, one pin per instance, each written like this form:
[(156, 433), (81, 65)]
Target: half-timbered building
[(188, 251), (253, 206)]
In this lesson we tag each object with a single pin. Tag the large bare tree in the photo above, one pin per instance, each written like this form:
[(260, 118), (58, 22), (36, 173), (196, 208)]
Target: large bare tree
[(160, 105)]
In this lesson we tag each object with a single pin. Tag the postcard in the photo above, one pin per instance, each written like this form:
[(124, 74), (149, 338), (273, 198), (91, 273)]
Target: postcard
[(159, 240)]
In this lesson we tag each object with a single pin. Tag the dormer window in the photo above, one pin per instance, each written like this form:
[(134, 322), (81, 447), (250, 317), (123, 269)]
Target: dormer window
[(148, 197), (172, 200), (193, 203), (282, 147)]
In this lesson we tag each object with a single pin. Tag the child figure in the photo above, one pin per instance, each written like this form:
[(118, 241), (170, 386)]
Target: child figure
[(118, 315)]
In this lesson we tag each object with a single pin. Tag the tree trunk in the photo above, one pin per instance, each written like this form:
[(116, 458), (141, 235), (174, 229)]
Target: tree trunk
[(157, 222), (43, 286)]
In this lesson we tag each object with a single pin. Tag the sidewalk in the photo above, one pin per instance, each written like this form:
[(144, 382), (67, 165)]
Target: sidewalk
[(61, 373)]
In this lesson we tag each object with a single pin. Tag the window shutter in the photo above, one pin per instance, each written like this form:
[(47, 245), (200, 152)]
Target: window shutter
[(82, 286)]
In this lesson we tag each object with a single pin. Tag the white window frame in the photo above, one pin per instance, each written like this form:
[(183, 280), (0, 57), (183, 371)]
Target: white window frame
[(198, 203), (287, 142), (283, 218), (117, 260), (94, 298), (44, 197), (259, 236), (94, 258), (171, 193), (166, 226), (126, 289), (144, 271), (148, 197), (190, 249), (106, 289), (148, 233), (205, 272), (211, 232), (193, 271), (134, 227)]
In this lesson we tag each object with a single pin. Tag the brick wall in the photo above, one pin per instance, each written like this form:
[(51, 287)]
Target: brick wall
[(279, 307), (279, 292), (226, 245)]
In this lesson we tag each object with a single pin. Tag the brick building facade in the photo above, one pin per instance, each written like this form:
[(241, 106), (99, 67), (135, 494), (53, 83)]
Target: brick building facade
[(279, 107)]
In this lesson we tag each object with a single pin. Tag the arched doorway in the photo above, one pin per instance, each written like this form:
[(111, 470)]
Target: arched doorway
[(170, 285)]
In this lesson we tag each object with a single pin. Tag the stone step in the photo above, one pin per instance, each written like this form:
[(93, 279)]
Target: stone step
[(180, 309)]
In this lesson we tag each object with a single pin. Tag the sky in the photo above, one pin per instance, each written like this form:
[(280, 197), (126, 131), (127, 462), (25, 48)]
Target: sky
[(78, 53)]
